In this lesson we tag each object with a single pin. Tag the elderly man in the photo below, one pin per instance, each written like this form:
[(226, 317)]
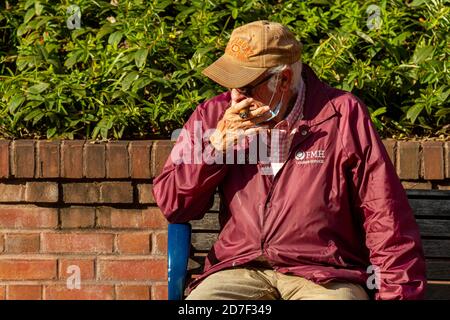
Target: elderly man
[(324, 216)]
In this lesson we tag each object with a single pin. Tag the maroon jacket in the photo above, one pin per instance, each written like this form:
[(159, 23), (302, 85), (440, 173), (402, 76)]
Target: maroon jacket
[(335, 208)]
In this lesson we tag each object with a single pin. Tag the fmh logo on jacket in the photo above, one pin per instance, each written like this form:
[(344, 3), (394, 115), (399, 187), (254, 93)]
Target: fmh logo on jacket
[(309, 157)]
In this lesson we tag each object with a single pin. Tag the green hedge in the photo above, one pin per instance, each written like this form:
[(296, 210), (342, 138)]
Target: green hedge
[(132, 70)]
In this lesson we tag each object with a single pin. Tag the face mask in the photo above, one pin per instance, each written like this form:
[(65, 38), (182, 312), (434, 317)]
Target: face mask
[(276, 110)]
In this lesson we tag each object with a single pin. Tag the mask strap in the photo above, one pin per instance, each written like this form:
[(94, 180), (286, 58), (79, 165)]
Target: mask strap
[(275, 90)]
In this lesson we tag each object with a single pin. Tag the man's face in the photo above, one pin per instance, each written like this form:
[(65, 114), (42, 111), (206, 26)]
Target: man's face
[(259, 90)]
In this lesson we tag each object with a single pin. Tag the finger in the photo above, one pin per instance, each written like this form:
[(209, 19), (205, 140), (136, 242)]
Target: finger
[(259, 111), (236, 97), (233, 121), (246, 103), (254, 130), (257, 120)]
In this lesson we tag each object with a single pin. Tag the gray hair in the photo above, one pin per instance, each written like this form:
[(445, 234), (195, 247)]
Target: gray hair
[(296, 68)]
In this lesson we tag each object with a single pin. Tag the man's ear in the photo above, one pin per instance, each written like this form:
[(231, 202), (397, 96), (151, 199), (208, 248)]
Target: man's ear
[(286, 79)]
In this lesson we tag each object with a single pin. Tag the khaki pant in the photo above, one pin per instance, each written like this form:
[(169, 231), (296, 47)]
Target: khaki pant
[(252, 283)]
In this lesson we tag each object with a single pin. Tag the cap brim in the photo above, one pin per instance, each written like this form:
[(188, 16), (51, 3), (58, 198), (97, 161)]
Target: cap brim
[(230, 74)]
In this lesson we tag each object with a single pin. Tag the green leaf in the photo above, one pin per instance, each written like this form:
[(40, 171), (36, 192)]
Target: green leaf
[(443, 112), (128, 80), (365, 36), (74, 58), (15, 102), (22, 29), (32, 114), (95, 132), (140, 57), (414, 112), (234, 13), (38, 88), (422, 54), (29, 3), (115, 38), (38, 117), (71, 61), (43, 54), (417, 3), (104, 30), (140, 83), (29, 15), (379, 111), (51, 132), (38, 7), (444, 95)]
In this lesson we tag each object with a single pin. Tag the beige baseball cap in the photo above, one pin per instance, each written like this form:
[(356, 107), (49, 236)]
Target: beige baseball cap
[(252, 49)]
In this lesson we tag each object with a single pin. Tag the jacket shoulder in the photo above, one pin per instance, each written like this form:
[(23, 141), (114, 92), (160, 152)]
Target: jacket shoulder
[(212, 110), (346, 103)]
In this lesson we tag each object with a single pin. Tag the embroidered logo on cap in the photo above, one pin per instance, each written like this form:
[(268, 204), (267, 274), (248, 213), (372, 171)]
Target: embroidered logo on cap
[(239, 49)]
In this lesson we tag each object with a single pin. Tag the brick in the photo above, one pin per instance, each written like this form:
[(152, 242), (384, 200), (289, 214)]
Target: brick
[(12, 192), (408, 162), (24, 292), (108, 217), (77, 217), (4, 159), (81, 192), (77, 242), (41, 192), (116, 192), (417, 185), (72, 159), (22, 243), (2, 243), (23, 158), (133, 243), (86, 292), (140, 159), (433, 160), (159, 292), (447, 158), (154, 219), (128, 292), (2, 292), (390, 145), (159, 243), (133, 270), (87, 268), (48, 159), (94, 160), (160, 153), (117, 163), (21, 269), (145, 193), (22, 217), (444, 186)]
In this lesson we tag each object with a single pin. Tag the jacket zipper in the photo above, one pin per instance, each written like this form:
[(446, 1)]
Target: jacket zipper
[(274, 181)]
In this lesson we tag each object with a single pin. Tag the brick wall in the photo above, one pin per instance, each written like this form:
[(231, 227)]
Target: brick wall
[(89, 205), (421, 165), (82, 204)]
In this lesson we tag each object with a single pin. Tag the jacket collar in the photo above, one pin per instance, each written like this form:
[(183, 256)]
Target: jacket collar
[(318, 107)]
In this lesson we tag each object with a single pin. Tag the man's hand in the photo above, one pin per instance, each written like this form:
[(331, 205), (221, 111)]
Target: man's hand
[(231, 128)]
